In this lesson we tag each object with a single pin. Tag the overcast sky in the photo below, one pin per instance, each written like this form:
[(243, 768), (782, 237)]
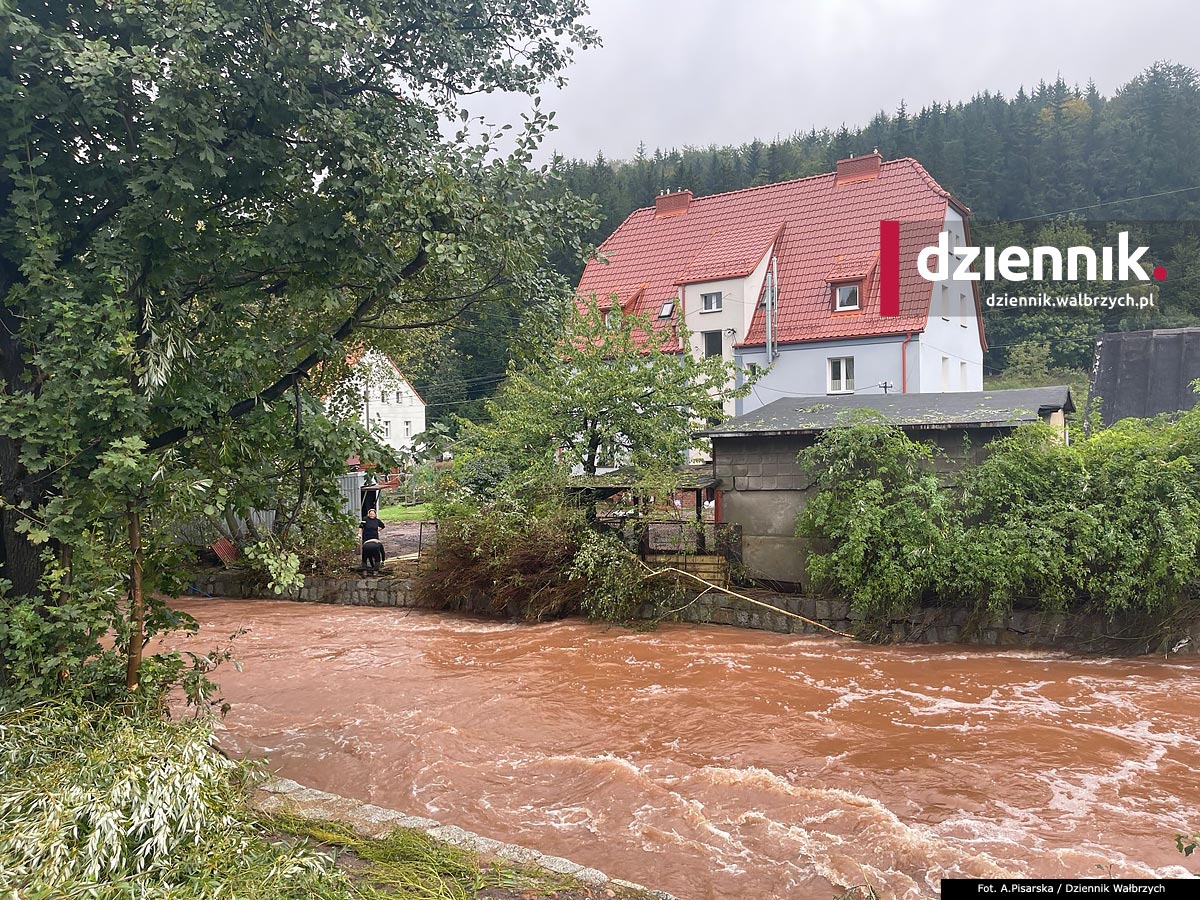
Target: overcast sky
[(696, 72)]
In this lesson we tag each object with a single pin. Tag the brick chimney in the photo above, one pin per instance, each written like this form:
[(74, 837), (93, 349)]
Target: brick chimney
[(858, 168), (672, 204)]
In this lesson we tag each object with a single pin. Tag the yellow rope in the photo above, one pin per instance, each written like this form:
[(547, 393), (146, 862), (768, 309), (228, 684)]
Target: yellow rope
[(651, 572)]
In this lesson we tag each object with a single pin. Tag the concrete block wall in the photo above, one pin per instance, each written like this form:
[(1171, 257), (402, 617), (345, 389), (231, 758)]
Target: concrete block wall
[(1129, 635)]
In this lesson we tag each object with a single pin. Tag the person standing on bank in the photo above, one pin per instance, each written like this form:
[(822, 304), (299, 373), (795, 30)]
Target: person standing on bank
[(372, 545)]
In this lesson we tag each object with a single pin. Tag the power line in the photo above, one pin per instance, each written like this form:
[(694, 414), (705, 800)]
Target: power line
[(1107, 203)]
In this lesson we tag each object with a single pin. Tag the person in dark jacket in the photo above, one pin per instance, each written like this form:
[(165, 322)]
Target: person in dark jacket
[(372, 546)]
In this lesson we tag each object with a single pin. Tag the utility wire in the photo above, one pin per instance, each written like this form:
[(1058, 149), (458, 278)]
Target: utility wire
[(1106, 203)]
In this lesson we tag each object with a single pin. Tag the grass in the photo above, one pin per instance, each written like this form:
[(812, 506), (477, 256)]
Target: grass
[(411, 864), (418, 512)]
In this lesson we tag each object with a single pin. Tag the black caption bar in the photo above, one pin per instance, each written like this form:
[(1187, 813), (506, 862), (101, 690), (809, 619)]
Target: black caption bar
[(1008, 888)]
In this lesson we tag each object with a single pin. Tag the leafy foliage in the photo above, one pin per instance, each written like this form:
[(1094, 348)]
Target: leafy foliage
[(113, 804), (613, 391), (1110, 523), (615, 587), (884, 518), (202, 206), (531, 558)]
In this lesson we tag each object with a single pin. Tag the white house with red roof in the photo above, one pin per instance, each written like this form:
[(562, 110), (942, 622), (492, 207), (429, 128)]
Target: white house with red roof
[(788, 276), (381, 398)]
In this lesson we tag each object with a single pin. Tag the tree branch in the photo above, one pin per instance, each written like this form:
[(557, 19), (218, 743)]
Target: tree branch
[(293, 375)]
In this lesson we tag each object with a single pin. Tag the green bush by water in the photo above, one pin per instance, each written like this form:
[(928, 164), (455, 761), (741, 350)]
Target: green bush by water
[(1109, 523)]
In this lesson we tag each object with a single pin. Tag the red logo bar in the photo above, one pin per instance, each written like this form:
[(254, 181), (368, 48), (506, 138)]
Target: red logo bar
[(889, 268)]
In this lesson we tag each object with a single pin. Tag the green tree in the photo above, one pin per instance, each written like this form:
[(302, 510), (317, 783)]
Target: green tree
[(199, 204), (615, 390)]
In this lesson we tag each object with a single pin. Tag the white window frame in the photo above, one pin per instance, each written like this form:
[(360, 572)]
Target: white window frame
[(838, 306), (387, 427), (845, 379), (964, 304), (407, 428), (667, 309), (945, 302), (708, 305)]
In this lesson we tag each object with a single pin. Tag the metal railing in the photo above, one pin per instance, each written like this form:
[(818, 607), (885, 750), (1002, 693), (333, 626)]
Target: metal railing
[(678, 536)]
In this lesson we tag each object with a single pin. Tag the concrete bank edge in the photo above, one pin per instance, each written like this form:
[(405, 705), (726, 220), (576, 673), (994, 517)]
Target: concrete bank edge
[(368, 820)]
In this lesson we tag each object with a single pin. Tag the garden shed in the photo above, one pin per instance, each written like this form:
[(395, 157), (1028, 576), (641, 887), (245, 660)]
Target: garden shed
[(761, 488)]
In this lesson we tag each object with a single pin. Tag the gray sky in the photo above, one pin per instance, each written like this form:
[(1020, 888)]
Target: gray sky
[(676, 73)]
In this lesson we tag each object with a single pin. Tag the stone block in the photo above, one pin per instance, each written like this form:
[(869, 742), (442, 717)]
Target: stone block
[(724, 616)]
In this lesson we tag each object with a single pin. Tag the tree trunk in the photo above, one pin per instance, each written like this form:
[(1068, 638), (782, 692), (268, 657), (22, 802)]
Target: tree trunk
[(137, 603), (20, 561)]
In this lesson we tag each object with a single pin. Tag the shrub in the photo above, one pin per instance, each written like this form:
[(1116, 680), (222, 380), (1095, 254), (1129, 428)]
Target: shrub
[(505, 558), (530, 560), (882, 515), (1109, 523), (613, 587), (1024, 515)]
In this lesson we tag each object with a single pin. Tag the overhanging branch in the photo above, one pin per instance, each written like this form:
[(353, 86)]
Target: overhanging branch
[(293, 375)]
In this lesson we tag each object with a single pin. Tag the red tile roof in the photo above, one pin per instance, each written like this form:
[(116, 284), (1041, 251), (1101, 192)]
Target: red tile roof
[(731, 252), (822, 231)]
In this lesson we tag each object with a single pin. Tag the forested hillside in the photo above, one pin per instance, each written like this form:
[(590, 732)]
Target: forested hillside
[(1059, 164)]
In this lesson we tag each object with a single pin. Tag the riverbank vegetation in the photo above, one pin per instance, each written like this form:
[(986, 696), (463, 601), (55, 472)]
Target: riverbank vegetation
[(170, 314), (1109, 523), (184, 271), (110, 803), (517, 534)]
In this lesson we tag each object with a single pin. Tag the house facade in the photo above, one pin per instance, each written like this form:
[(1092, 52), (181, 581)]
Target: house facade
[(785, 279), (384, 401)]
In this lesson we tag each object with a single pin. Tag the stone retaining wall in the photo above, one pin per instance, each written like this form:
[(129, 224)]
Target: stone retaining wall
[(284, 795), (380, 591), (1129, 635)]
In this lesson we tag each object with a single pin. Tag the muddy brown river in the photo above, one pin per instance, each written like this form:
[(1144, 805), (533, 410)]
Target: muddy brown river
[(717, 763)]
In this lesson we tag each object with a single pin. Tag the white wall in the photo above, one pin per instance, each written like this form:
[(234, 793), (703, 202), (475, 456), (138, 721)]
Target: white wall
[(382, 400), (739, 297), (951, 353), (405, 416), (801, 370)]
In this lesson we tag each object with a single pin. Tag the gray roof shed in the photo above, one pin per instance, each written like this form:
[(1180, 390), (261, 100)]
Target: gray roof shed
[(969, 409)]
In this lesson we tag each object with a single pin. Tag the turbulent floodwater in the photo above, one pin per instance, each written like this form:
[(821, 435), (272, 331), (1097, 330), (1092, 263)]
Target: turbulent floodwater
[(717, 763)]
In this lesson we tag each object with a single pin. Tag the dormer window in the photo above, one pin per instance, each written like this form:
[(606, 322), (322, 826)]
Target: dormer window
[(667, 309), (845, 297), (710, 302)]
